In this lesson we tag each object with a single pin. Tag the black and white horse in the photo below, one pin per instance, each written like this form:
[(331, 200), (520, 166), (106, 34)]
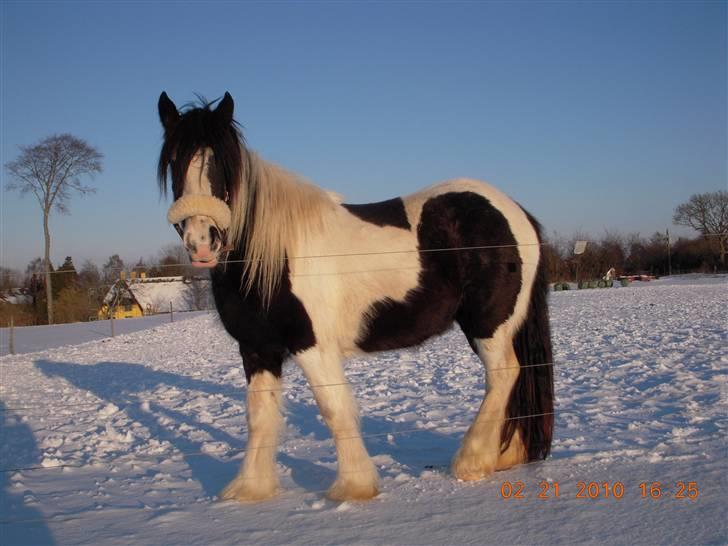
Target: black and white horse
[(297, 273)]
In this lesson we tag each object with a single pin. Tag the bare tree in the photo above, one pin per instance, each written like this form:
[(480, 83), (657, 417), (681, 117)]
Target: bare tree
[(172, 261), (89, 278), (52, 171), (9, 278), (708, 214), (89, 275)]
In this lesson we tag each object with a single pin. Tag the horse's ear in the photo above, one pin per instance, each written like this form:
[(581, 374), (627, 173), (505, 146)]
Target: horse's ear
[(224, 110), (168, 114)]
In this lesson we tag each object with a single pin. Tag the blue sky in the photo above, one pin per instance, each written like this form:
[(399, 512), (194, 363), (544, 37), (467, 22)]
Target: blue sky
[(592, 115)]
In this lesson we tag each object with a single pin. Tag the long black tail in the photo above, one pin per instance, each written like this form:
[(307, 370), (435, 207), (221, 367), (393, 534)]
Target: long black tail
[(533, 393)]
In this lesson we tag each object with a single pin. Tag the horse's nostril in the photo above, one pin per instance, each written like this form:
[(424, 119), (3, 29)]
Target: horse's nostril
[(214, 235)]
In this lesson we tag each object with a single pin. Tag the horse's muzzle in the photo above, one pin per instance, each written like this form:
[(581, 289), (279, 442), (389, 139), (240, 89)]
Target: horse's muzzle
[(205, 255), (203, 247), (204, 258)]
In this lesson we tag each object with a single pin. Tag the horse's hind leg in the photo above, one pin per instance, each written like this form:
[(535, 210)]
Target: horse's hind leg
[(357, 477), (480, 454), (257, 479)]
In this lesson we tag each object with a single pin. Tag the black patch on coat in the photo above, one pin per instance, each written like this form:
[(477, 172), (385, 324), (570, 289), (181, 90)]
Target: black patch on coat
[(478, 288), (266, 335), (384, 213)]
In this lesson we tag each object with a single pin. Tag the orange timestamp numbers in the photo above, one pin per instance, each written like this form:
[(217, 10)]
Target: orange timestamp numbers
[(599, 490)]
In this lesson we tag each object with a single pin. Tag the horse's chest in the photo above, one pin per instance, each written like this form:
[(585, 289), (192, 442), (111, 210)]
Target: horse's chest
[(283, 327)]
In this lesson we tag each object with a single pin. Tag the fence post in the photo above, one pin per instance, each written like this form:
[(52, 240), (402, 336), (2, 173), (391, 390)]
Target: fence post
[(669, 253), (11, 342), (113, 334), (171, 313)]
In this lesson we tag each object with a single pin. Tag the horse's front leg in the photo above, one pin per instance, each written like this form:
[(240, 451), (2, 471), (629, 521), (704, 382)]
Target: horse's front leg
[(357, 477), (257, 478)]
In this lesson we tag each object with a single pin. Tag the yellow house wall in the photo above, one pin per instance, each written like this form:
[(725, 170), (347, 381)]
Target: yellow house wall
[(120, 312)]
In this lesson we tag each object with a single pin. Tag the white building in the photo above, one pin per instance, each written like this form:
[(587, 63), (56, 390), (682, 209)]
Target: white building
[(141, 296)]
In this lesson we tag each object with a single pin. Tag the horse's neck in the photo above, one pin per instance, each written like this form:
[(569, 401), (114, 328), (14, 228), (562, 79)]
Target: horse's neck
[(274, 211), (233, 265), (231, 276)]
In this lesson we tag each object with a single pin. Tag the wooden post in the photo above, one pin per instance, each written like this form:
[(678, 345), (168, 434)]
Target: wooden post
[(669, 253), (171, 313), (113, 334), (579, 249), (11, 342)]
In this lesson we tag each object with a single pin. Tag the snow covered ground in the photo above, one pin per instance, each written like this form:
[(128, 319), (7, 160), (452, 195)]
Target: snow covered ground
[(128, 440), (28, 339)]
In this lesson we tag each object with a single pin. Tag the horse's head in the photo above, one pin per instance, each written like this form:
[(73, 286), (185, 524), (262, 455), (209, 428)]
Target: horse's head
[(202, 154)]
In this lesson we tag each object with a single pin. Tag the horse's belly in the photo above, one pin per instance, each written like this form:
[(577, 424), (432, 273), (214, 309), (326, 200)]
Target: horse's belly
[(391, 325)]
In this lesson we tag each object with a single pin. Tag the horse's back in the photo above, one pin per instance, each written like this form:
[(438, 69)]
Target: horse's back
[(498, 201)]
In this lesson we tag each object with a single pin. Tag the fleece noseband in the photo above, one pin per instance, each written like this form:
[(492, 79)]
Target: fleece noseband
[(200, 205)]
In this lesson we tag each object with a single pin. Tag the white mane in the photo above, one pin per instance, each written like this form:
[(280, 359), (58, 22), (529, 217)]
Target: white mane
[(274, 209)]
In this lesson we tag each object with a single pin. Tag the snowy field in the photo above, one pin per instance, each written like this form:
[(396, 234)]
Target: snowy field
[(29, 339), (129, 440)]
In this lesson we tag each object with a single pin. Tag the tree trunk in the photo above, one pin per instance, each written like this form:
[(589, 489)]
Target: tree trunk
[(48, 283)]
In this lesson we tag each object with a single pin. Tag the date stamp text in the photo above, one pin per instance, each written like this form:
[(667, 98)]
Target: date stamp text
[(592, 490)]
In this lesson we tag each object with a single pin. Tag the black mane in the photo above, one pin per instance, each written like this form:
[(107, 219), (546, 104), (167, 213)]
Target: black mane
[(198, 127)]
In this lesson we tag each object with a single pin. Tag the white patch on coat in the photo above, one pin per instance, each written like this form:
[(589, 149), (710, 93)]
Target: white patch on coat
[(197, 180), (339, 277)]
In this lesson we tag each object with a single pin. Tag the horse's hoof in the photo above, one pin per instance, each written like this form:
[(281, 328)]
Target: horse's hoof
[(347, 490), (515, 454), (472, 467), (244, 490)]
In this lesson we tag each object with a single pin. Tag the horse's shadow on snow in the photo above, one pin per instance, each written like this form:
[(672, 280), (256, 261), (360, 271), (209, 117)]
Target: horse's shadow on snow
[(128, 386), (22, 519), (413, 449)]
